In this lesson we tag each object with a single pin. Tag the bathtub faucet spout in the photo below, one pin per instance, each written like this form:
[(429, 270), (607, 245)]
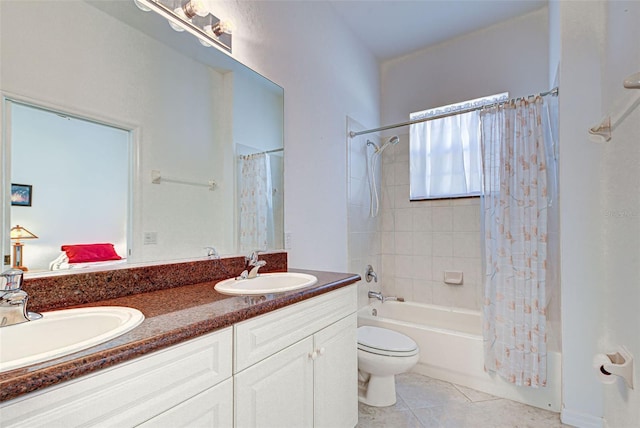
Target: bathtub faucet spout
[(375, 295), (379, 296)]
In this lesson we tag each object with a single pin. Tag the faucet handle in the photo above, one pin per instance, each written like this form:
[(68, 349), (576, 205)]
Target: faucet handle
[(212, 252), (370, 274), (11, 280), (252, 258)]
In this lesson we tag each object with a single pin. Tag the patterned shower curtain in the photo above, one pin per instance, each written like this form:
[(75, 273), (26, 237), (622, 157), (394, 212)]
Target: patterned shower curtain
[(516, 149), (256, 203)]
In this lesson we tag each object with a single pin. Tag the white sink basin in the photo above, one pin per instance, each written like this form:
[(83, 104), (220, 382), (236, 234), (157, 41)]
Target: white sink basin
[(265, 283), (63, 332)]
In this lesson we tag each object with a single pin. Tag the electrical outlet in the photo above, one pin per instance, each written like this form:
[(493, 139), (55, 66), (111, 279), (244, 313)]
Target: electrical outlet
[(150, 238), (287, 240)]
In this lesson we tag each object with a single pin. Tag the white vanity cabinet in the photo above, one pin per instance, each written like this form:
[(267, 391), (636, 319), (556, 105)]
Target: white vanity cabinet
[(297, 367), (293, 367), (189, 375)]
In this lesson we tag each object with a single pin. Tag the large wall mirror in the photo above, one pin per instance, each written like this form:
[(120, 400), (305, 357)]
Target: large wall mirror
[(118, 130)]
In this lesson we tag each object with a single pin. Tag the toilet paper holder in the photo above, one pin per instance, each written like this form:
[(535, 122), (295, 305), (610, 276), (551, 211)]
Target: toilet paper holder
[(621, 364)]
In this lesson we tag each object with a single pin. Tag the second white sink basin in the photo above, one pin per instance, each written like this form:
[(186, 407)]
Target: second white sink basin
[(63, 332), (265, 283)]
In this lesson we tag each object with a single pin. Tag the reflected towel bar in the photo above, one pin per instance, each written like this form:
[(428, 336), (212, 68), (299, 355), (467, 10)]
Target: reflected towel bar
[(157, 178)]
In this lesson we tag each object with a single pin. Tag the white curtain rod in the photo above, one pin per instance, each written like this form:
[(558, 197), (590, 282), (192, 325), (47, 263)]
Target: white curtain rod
[(352, 134)]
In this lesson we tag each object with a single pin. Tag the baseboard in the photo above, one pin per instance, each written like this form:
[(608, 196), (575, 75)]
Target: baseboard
[(580, 420)]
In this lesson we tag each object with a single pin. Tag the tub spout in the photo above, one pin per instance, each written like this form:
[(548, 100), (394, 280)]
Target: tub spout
[(382, 298), (375, 295)]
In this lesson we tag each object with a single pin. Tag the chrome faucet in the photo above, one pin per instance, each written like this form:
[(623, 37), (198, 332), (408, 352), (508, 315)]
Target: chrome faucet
[(13, 300), (255, 264), (375, 295), (379, 296)]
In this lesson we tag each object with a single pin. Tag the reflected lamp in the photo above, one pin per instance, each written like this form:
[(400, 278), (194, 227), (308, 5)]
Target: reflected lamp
[(17, 233)]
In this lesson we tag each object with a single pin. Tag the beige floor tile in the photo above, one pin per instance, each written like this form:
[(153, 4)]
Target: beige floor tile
[(429, 403), (473, 395), (388, 418), (420, 391)]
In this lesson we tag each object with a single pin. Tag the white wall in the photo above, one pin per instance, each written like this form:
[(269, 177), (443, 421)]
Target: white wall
[(420, 240), (600, 235), (327, 75), (622, 210)]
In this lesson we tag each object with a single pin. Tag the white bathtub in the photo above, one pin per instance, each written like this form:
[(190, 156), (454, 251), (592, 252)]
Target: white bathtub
[(450, 342)]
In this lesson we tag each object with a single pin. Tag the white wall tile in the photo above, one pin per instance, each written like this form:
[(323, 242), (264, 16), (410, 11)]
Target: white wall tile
[(422, 242), (466, 218), (401, 196), (466, 244), (439, 265), (401, 173), (403, 220), (442, 219), (442, 244), (387, 243), (404, 243), (421, 219), (404, 267)]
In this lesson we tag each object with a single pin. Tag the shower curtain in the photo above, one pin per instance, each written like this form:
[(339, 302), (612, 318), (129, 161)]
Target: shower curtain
[(256, 204), (519, 187)]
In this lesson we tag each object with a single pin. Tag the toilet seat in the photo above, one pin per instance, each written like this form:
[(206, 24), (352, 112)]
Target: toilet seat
[(382, 341)]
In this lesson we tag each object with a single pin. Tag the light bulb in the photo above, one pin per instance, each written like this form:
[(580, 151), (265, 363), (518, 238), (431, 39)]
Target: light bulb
[(175, 26), (222, 27), (141, 6), (195, 7)]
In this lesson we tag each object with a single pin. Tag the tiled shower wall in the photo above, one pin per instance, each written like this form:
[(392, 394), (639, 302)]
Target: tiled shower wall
[(419, 241), (363, 230)]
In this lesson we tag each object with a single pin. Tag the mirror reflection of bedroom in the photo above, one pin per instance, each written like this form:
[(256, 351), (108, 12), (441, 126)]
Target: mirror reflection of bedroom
[(77, 175)]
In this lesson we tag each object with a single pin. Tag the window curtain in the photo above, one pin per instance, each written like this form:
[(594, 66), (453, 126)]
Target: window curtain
[(256, 203), (445, 157), (517, 155)]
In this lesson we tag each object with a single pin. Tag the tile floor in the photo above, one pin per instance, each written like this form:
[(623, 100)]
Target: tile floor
[(424, 402)]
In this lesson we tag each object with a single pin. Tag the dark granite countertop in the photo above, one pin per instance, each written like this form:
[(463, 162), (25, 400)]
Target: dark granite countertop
[(172, 316)]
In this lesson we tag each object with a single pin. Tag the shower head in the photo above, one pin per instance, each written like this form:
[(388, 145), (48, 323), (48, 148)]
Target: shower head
[(392, 141)]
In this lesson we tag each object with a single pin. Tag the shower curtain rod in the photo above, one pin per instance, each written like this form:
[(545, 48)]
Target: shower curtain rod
[(352, 134), (265, 153)]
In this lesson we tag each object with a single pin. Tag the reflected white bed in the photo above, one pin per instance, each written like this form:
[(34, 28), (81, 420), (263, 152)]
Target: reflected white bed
[(62, 263), (81, 256)]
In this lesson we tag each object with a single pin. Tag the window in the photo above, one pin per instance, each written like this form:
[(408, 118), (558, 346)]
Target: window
[(445, 160)]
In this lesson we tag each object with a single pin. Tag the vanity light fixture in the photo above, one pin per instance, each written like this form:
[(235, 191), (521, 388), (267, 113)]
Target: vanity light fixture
[(17, 233), (192, 16)]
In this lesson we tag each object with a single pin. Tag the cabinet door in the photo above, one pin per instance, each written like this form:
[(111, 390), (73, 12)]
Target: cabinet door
[(278, 391), (211, 408), (336, 375)]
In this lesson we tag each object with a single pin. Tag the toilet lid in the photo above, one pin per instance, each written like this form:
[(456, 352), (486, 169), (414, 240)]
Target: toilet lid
[(383, 341)]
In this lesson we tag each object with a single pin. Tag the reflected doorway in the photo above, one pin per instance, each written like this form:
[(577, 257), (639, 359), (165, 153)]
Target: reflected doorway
[(78, 173)]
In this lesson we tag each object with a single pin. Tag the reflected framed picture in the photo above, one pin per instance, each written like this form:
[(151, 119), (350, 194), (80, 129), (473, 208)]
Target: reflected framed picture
[(21, 194)]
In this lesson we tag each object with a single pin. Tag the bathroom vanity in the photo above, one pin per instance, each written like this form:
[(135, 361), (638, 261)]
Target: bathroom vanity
[(286, 361)]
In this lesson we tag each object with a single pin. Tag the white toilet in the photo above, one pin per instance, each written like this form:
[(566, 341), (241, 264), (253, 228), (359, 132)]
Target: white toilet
[(382, 354)]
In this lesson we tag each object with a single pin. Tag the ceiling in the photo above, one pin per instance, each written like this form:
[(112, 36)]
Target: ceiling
[(392, 28)]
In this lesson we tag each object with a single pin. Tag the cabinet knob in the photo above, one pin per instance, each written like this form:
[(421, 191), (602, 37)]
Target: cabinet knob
[(321, 351), (313, 355)]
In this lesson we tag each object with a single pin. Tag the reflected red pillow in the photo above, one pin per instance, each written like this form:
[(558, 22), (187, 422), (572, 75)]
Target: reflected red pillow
[(83, 253)]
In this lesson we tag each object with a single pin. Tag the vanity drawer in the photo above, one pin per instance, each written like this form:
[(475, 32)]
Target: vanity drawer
[(260, 337), (129, 393)]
